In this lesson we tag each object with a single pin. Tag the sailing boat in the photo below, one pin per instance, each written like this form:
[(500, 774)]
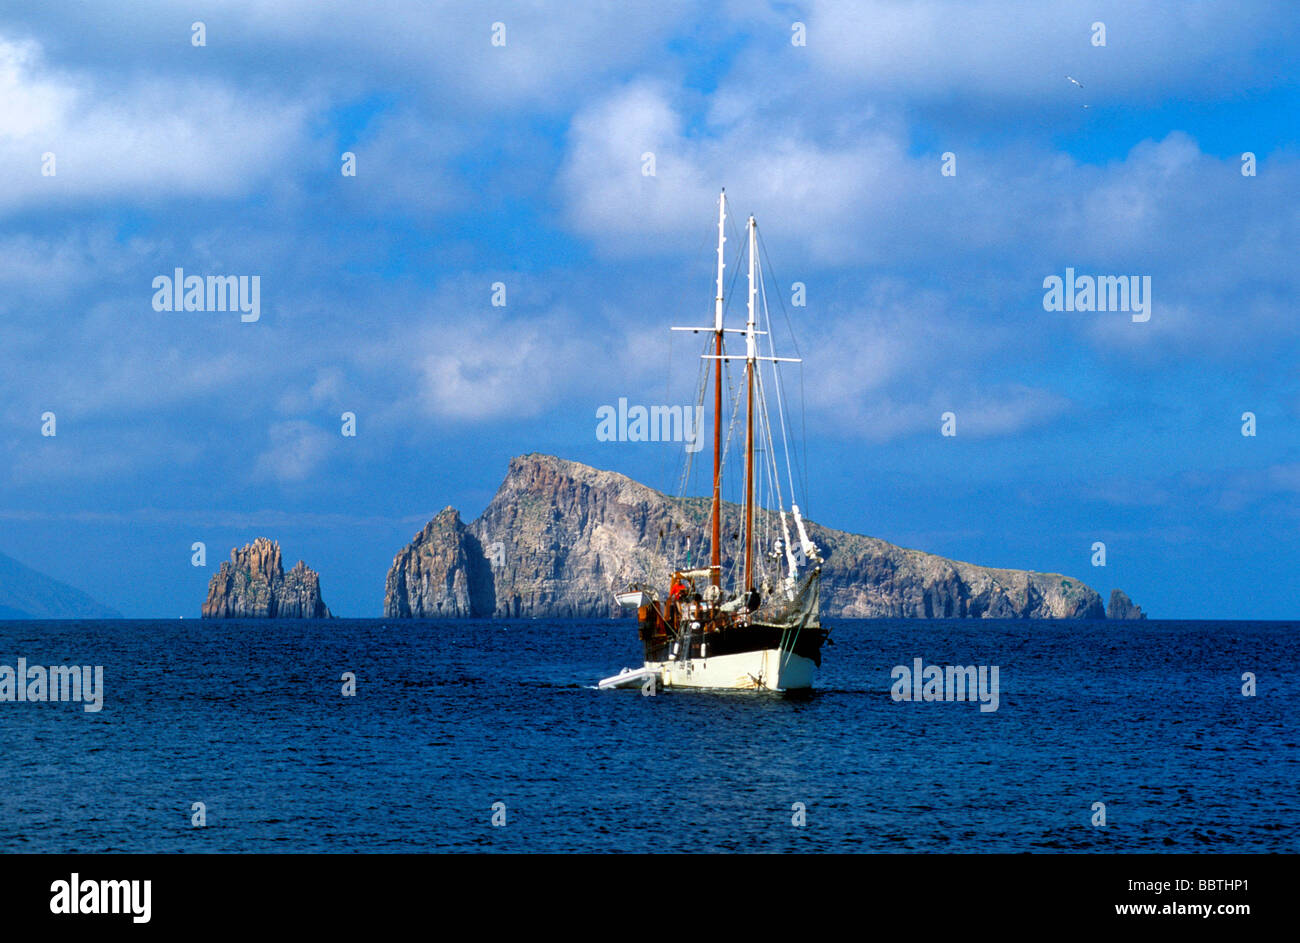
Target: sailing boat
[(760, 629)]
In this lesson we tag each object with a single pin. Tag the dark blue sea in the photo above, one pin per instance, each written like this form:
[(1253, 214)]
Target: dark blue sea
[(450, 718)]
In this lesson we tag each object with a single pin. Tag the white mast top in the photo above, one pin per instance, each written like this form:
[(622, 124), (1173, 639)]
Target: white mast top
[(722, 238), (751, 345), (751, 331)]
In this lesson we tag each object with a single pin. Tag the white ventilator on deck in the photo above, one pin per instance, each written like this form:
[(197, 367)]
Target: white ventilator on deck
[(809, 548), (790, 560)]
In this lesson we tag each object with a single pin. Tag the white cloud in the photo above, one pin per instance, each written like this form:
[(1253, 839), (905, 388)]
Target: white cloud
[(508, 368), (807, 191), (975, 50), (296, 450), (143, 140), (439, 50), (857, 200)]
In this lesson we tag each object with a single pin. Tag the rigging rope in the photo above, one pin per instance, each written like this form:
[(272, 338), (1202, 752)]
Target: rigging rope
[(794, 341)]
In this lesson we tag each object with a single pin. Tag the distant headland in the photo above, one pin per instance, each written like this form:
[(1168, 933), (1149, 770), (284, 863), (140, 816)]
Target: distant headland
[(28, 594), (559, 537)]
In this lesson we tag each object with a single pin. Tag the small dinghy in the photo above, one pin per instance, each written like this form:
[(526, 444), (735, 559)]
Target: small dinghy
[(629, 678), (633, 599)]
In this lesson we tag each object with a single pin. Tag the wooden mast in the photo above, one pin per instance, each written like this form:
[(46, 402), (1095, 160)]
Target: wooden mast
[(715, 561), (752, 360), (750, 351)]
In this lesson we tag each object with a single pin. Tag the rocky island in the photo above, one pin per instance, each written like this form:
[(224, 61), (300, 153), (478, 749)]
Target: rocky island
[(560, 537), (253, 585), (1121, 607)]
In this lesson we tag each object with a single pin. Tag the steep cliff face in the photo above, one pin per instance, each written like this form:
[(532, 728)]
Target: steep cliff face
[(1121, 607), (253, 585), (442, 573), (559, 538), (564, 535)]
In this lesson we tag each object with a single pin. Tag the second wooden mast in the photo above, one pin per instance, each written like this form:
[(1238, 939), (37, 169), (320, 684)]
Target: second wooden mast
[(751, 350), (751, 359), (715, 561)]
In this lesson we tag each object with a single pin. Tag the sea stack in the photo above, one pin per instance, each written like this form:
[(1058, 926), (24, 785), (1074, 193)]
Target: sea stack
[(1121, 607), (441, 574), (253, 585)]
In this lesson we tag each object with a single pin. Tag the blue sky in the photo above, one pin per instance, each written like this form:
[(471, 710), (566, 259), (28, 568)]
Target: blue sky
[(522, 164)]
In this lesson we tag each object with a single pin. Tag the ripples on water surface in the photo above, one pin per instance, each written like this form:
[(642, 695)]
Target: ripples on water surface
[(451, 717)]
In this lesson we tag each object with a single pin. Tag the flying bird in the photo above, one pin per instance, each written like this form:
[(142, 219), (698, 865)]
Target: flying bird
[(1071, 78)]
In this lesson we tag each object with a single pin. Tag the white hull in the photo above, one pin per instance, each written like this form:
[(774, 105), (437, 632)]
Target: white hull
[(764, 670)]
